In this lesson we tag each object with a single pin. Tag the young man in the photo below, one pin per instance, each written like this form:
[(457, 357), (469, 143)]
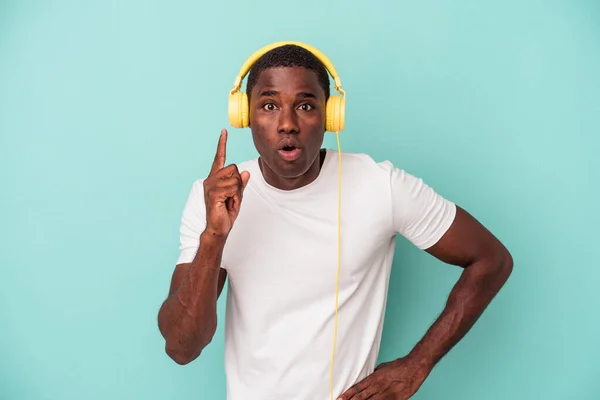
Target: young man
[(270, 225)]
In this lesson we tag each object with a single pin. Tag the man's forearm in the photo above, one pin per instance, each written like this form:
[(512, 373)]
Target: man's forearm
[(188, 317), (475, 289)]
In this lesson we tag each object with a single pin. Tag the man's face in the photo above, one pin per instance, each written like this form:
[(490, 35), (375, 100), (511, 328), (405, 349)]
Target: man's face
[(287, 119)]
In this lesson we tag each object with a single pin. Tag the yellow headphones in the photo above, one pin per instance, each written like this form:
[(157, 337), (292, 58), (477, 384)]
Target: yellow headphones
[(238, 101), (335, 110)]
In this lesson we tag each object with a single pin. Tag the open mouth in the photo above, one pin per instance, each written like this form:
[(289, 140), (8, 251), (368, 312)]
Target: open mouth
[(289, 153)]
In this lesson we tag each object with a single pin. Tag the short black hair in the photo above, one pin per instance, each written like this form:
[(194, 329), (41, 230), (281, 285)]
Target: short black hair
[(289, 55)]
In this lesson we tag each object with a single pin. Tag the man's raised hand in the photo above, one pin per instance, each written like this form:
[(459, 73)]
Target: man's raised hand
[(223, 192)]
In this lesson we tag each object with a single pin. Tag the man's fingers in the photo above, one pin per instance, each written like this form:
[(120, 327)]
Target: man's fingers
[(222, 193), (231, 171), (223, 182), (237, 197), (356, 392), (245, 175), (219, 161)]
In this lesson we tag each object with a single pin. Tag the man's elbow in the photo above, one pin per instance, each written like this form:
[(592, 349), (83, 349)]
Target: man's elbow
[(494, 267), (182, 357), (185, 354), (502, 266), (507, 263)]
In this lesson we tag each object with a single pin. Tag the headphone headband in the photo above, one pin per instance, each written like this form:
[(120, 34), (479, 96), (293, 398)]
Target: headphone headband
[(317, 53)]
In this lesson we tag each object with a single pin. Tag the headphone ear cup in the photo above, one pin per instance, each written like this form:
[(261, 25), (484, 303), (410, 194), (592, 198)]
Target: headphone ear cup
[(238, 110), (335, 110)]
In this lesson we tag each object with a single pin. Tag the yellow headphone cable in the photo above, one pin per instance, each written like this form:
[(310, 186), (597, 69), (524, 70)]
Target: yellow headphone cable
[(337, 277)]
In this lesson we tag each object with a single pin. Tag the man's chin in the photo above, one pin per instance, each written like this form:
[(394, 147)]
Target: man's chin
[(291, 170)]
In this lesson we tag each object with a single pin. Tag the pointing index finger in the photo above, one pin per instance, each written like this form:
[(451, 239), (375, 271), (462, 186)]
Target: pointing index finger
[(219, 161)]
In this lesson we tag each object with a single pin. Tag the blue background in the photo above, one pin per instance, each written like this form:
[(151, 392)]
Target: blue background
[(109, 111)]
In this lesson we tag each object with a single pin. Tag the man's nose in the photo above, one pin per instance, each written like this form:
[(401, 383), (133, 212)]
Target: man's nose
[(288, 121)]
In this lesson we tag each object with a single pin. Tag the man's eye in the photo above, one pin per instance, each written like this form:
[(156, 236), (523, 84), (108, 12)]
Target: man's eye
[(306, 107), (269, 106)]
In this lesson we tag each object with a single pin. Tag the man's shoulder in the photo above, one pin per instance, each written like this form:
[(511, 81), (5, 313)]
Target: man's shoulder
[(366, 163)]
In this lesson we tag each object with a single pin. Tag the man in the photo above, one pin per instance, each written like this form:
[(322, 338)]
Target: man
[(269, 225)]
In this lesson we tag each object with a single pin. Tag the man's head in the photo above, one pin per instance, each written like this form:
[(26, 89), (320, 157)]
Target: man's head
[(289, 56), (288, 89)]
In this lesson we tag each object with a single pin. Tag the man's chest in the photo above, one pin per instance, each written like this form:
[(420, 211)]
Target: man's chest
[(294, 246)]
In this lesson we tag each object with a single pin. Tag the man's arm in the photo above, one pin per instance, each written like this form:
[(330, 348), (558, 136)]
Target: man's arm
[(487, 264), (188, 317)]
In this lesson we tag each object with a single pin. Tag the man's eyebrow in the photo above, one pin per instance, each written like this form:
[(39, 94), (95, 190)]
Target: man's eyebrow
[(306, 95), (273, 93), (269, 93)]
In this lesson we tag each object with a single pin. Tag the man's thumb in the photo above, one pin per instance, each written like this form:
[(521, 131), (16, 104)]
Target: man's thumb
[(245, 175)]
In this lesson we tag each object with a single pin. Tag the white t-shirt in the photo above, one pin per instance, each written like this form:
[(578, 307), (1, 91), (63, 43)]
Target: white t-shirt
[(281, 259)]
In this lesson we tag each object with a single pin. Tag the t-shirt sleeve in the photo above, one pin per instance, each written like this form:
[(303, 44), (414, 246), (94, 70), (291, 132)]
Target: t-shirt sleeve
[(419, 213), (193, 222)]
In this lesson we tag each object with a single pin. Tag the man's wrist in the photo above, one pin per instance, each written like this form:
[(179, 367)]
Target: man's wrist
[(212, 237), (421, 358), (211, 246)]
